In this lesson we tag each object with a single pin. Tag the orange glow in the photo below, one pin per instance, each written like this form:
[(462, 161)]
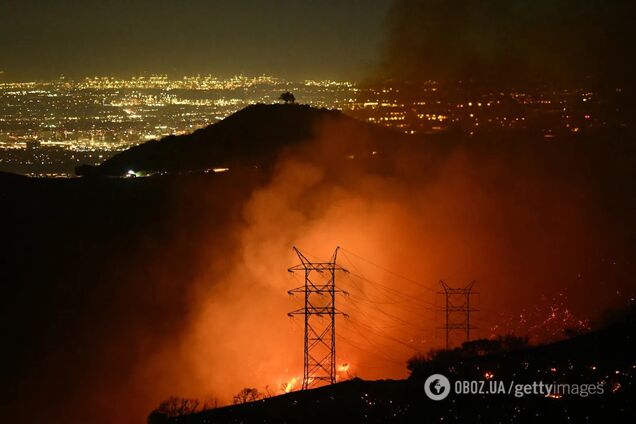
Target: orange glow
[(422, 220), (291, 384)]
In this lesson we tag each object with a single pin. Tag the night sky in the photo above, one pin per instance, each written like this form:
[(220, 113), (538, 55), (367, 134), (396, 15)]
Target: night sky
[(286, 38), (564, 43)]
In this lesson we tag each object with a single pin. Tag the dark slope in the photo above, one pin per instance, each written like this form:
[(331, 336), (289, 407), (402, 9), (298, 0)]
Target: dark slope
[(605, 355), (252, 136), (8, 177), (96, 272)]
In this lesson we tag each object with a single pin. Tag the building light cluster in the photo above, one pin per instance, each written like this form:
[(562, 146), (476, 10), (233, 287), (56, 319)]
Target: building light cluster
[(89, 120)]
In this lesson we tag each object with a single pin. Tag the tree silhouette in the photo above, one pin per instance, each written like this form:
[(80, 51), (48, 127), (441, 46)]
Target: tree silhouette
[(287, 97), (176, 406), (173, 407), (246, 395), (468, 350)]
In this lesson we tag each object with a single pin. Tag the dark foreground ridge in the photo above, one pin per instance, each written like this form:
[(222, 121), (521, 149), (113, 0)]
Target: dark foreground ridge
[(253, 136), (605, 356)]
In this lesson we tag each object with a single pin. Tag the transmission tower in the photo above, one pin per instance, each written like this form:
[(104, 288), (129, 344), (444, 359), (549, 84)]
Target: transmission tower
[(457, 310), (320, 302)]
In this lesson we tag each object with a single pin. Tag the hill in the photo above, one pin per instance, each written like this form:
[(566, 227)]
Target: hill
[(603, 356), (253, 136), (103, 274)]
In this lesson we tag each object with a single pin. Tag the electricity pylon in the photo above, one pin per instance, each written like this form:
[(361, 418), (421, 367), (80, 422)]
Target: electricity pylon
[(320, 302), (457, 309)]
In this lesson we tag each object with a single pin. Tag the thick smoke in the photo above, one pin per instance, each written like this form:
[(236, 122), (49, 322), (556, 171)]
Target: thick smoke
[(532, 236), (512, 41), (194, 303)]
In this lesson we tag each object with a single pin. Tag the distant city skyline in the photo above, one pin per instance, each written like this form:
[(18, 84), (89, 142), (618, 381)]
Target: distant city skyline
[(49, 127), (42, 39), (175, 78)]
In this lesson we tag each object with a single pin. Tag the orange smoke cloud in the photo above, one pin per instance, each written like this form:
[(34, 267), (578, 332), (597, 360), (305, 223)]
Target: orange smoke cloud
[(517, 229), (199, 307)]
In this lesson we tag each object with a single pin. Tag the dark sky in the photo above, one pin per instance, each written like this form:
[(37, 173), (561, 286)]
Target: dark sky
[(288, 38), (560, 42), (566, 42)]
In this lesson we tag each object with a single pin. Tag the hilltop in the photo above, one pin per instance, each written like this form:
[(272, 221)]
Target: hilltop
[(253, 136)]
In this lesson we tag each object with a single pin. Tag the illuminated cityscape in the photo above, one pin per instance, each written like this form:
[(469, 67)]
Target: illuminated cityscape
[(49, 127), (387, 211)]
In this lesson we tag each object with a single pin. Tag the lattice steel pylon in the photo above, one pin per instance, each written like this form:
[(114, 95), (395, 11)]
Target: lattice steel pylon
[(457, 304), (320, 334)]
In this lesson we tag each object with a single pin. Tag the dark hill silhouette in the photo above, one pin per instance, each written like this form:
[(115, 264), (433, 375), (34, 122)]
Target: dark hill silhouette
[(252, 136), (605, 355), (8, 177)]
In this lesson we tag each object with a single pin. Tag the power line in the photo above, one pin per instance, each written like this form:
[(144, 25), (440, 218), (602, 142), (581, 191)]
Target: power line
[(453, 309), (380, 286), (406, 299), (372, 352), (410, 280), (319, 290)]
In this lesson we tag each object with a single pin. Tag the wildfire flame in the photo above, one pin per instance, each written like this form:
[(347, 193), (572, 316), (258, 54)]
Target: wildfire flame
[(344, 367), (290, 384), (554, 396)]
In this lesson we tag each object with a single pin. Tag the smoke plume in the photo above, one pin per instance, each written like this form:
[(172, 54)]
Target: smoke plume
[(530, 234), (517, 42)]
